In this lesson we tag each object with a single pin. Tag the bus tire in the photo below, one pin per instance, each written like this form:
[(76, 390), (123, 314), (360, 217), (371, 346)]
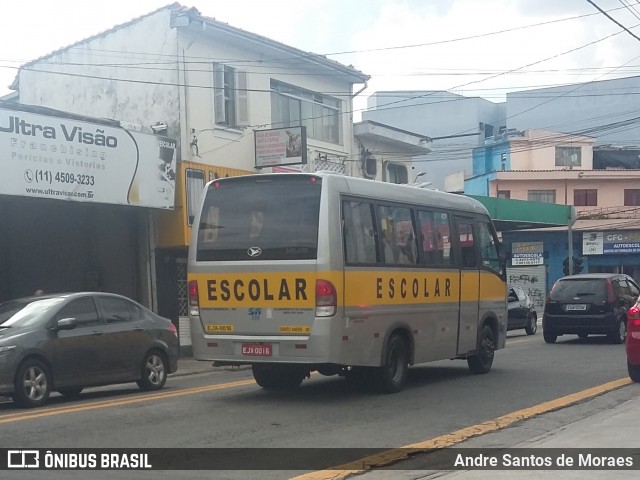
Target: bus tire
[(277, 377), (482, 361), (392, 375)]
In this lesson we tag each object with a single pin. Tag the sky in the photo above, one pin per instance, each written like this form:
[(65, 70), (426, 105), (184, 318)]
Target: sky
[(480, 48)]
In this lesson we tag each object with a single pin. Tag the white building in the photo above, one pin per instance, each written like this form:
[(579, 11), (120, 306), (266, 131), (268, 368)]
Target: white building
[(215, 88)]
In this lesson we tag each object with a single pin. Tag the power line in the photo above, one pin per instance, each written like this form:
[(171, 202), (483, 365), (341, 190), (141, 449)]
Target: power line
[(614, 20)]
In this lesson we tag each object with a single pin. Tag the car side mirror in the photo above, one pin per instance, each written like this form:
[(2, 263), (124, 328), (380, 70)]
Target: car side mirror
[(66, 324)]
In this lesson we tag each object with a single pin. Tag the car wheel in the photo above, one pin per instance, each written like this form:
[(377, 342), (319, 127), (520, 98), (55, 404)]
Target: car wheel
[(532, 328), (277, 377), (70, 392), (620, 334), (549, 337), (391, 376), (634, 372), (154, 371), (483, 360), (32, 384)]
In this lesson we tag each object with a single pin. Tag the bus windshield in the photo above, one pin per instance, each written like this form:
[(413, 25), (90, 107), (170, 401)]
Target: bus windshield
[(257, 219)]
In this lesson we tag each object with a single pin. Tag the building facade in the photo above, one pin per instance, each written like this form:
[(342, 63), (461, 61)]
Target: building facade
[(236, 102), (454, 124), (551, 167)]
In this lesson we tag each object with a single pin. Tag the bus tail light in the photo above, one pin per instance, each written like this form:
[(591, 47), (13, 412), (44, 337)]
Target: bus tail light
[(326, 299), (194, 303)]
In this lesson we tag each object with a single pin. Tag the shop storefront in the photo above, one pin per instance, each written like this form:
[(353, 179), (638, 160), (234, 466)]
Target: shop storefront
[(76, 202)]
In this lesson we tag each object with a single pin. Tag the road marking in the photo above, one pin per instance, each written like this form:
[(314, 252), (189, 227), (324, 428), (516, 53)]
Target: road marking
[(48, 412), (393, 455)]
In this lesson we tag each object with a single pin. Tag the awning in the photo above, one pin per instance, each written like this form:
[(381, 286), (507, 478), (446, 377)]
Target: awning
[(510, 214)]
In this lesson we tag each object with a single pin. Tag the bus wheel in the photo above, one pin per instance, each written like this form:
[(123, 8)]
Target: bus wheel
[(482, 361), (277, 377), (393, 373)]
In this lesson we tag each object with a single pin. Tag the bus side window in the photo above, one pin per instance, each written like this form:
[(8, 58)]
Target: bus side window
[(467, 245), (489, 248), (436, 238), (398, 235), (359, 238)]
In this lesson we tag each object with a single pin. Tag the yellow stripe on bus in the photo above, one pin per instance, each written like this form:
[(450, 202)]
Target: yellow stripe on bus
[(362, 287)]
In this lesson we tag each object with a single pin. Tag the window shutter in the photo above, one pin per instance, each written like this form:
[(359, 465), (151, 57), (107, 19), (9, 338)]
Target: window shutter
[(218, 93), (242, 99)]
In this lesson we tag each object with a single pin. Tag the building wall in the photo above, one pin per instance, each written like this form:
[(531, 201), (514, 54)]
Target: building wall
[(150, 95), (610, 185), (234, 148), (536, 150), (438, 114), (581, 108)]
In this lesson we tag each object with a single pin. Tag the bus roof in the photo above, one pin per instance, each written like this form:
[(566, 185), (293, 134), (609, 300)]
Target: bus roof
[(377, 189)]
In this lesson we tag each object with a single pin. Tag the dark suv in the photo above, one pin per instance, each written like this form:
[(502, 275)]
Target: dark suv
[(591, 303)]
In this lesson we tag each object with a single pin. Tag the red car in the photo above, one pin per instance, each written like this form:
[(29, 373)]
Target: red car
[(633, 342)]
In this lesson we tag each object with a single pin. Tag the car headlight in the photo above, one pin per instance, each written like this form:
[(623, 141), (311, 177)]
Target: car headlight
[(6, 348)]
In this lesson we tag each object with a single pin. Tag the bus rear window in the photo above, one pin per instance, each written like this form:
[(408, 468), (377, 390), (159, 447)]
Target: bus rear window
[(249, 218)]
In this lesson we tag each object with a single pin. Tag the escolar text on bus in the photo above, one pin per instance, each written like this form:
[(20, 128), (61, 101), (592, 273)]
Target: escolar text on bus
[(416, 288), (288, 289)]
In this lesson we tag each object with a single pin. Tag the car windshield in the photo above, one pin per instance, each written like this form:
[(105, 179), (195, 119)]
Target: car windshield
[(24, 312), (571, 290)]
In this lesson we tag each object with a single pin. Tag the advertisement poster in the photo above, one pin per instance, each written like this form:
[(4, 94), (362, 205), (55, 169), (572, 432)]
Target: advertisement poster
[(527, 253), (281, 146), (66, 159), (602, 243)]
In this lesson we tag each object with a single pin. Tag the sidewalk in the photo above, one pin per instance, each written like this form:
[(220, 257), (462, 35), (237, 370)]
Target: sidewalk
[(609, 421)]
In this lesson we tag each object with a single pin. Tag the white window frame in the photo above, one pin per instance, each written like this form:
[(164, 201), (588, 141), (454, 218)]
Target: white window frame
[(319, 124), (194, 185), (230, 96)]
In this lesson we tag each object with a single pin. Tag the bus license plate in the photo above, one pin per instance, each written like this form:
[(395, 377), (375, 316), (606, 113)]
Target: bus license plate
[(256, 350)]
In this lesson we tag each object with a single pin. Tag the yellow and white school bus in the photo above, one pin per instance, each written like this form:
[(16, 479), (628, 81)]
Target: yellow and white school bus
[(295, 273)]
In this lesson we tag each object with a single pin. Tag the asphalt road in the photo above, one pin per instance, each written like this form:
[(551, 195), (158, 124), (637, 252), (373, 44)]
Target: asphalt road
[(226, 409)]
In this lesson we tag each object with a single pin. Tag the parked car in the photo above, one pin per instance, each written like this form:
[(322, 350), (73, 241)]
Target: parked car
[(66, 342), (520, 310), (633, 342), (591, 303)]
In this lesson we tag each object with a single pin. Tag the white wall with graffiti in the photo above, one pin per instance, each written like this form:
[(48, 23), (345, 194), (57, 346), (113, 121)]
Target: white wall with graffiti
[(533, 280)]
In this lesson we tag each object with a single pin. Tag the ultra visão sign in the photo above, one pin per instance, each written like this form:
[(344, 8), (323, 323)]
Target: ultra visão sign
[(66, 159)]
